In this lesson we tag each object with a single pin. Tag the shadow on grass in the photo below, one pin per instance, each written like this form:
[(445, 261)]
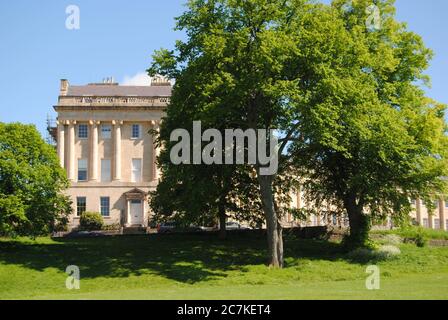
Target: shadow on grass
[(184, 258)]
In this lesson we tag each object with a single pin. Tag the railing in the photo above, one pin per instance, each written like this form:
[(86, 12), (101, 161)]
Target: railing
[(115, 101)]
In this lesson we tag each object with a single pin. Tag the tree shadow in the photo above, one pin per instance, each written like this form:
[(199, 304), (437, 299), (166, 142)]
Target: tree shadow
[(184, 258)]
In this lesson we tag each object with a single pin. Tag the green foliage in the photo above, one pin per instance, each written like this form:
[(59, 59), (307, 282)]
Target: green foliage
[(91, 221), (373, 255), (111, 227), (412, 232), (370, 138), (31, 183), (347, 101), (420, 240)]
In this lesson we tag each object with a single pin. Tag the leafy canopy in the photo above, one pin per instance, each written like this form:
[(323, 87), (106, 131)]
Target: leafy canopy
[(31, 182)]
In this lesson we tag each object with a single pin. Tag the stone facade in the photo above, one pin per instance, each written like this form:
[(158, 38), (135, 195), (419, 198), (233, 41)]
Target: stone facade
[(105, 145)]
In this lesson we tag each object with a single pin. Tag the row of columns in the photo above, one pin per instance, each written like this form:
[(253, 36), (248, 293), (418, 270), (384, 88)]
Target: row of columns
[(440, 209), (71, 154), (419, 215)]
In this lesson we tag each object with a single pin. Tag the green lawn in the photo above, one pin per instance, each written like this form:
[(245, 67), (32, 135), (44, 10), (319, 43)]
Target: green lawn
[(202, 267)]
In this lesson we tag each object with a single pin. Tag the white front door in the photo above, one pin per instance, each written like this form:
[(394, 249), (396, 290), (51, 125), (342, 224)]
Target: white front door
[(136, 212)]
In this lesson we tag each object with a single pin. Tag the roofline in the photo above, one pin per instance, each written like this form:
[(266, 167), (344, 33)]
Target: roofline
[(107, 108)]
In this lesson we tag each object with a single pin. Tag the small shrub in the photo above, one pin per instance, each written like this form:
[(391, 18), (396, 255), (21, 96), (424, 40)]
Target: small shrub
[(91, 221), (392, 239), (386, 252), (420, 240), (111, 227)]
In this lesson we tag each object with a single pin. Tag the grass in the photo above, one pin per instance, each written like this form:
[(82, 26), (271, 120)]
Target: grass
[(414, 232), (202, 267)]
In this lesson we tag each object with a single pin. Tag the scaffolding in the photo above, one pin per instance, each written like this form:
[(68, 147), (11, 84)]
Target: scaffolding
[(52, 131)]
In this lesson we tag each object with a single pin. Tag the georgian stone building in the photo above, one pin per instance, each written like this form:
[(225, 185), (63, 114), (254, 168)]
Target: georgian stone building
[(103, 142)]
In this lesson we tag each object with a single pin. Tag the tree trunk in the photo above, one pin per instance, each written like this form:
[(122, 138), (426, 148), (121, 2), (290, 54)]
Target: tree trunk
[(359, 224), (274, 230), (222, 222)]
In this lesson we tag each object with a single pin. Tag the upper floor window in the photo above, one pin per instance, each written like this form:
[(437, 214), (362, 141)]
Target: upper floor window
[(136, 131), (82, 169), (83, 131), (136, 170), (105, 170), (106, 131)]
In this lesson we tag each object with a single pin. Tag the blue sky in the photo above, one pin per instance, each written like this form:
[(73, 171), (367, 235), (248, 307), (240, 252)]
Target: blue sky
[(116, 38)]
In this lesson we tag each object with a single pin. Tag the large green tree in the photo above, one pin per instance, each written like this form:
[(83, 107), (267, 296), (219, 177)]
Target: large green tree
[(234, 68), (370, 140), (31, 182), (341, 89)]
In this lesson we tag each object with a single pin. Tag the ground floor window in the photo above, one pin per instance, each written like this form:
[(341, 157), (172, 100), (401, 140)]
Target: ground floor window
[(81, 203), (105, 206), (436, 224), (425, 223)]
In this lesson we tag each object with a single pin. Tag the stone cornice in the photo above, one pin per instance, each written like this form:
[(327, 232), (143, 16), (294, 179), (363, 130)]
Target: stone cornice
[(111, 101), (109, 108)]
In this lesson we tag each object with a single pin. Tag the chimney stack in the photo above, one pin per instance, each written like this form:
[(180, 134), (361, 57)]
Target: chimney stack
[(64, 87)]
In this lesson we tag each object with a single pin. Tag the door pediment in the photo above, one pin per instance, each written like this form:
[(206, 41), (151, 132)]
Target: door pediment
[(135, 194)]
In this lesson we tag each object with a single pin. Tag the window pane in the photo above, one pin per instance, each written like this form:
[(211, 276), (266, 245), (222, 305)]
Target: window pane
[(82, 170), (136, 170), (106, 131), (82, 131), (105, 206), (135, 131), (105, 170), (80, 205)]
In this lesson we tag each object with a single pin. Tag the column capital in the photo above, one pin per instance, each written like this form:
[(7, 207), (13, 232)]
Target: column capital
[(117, 122), (155, 123), (94, 122)]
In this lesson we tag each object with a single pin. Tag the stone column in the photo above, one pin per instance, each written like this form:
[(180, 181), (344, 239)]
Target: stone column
[(94, 150), (117, 149), (442, 214), (71, 152), (431, 217), (418, 210), (299, 198), (155, 151), (61, 143)]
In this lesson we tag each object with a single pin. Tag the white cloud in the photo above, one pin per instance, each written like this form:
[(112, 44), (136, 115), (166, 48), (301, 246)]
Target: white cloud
[(140, 79)]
